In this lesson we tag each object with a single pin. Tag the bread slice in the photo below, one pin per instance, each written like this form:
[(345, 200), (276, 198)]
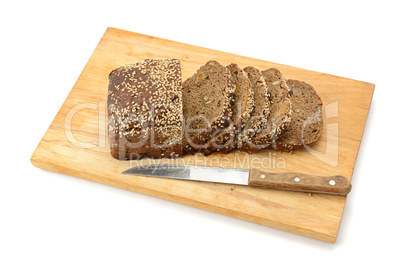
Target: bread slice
[(244, 100), (145, 110), (208, 97), (280, 110), (258, 123), (306, 124), (242, 109)]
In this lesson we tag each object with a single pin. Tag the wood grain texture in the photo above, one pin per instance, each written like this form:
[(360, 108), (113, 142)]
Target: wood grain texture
[(300, 182), (76, 142)]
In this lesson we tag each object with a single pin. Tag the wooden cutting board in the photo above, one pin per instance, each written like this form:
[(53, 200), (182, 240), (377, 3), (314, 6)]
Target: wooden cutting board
[(76, 142)]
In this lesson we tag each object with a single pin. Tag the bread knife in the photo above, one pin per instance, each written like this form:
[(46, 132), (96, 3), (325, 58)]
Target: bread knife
[(299, 182)]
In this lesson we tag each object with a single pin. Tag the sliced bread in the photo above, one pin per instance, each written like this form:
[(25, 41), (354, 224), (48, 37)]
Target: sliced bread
[(145, 110), (208, 97), (258, 122), (244, 101), (242, 109), (280, 110), (306, 124)]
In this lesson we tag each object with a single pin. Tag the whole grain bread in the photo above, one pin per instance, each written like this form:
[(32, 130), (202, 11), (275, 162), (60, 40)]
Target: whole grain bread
[(244, 101), (145, 110), (257, 125), (306, 124), (242, 109), (280, 110), (217, 109), (208, 97)]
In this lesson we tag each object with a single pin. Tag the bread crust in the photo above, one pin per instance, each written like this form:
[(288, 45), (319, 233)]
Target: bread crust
[(145, 110)]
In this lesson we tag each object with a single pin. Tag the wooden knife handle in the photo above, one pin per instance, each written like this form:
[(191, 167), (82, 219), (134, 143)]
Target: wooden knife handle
[(338, 185)]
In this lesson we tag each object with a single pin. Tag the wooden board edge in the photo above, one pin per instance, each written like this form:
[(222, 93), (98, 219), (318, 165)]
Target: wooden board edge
[(372, 87), (185, 201)]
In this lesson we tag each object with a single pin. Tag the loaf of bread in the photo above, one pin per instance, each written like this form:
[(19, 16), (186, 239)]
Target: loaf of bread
[(208, 97), (152, 114), (145, 110), (306, 124)]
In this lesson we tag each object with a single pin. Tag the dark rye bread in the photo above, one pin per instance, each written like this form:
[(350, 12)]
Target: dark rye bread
[(145, 110), (280, 110), (244, 100), (258, 123), (208, 97), (307, 123), (242, 109)]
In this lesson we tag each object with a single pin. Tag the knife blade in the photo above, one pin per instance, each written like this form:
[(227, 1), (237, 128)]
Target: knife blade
[(337, 185)]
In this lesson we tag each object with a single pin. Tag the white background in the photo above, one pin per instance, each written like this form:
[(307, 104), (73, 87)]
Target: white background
[(54, 220)]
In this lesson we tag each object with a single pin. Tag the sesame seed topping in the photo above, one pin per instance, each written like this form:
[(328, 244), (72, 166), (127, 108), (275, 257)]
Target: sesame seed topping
[(140, 102)]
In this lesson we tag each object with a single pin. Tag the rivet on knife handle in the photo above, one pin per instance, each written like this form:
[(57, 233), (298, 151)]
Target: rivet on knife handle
[(338, 185)]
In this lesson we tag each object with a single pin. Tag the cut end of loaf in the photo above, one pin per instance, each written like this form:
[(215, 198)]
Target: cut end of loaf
[(306, 124)]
